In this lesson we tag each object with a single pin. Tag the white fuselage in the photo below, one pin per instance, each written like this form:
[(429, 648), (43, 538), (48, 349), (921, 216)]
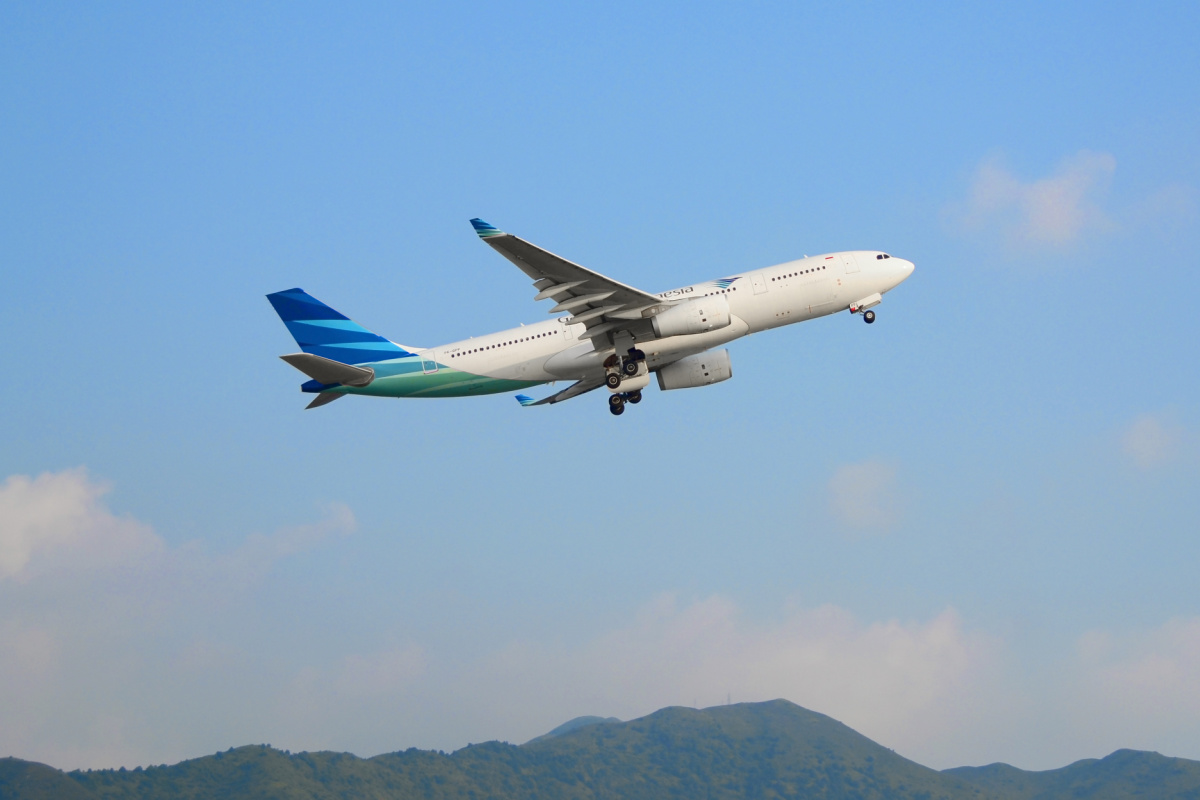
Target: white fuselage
[(758, 300)]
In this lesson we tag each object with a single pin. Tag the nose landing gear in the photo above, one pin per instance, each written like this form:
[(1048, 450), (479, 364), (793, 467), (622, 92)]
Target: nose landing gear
[(864, 307)]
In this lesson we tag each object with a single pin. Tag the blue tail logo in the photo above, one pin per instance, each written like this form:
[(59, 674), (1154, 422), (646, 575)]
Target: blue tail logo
[(320, 330)]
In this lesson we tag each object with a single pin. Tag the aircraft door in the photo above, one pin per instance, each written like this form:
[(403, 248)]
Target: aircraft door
[(760, 283), (429, 364), (850, 262)]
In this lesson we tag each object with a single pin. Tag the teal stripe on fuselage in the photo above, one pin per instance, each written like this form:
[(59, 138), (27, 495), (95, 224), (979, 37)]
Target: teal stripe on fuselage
[(406, 377)]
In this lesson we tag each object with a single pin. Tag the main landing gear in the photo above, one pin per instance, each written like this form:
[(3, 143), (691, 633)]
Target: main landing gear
[(625, 378), (616, 402)]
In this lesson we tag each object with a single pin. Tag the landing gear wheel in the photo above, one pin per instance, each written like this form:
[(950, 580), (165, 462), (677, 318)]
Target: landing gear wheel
[(612, 380), (634, 397), (868, 317), (617, 410), (630, 367), (616, 401)]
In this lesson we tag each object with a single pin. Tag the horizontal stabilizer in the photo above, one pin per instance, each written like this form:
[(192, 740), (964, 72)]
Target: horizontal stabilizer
[(324, 398), (327, 370)]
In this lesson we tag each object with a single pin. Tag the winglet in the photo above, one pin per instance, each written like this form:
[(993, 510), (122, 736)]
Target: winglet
[(485, 230), (525, 400)]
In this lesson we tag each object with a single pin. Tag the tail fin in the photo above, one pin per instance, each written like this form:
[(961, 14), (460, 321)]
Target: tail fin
[(321, 331)]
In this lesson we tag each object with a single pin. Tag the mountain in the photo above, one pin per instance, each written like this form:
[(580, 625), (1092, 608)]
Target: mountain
[(751, 750), (574, 724), (1124, 774), (31, 781)]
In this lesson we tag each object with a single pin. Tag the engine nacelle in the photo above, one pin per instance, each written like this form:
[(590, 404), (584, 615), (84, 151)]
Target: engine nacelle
[(698, 370), (694, 316)]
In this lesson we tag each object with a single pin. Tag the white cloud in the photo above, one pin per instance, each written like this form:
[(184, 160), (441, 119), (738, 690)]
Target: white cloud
[(910, 684), (56, 521), (1144, 687), (1160, 672), (865, 495), (1057, 210), (259, 552), (1150, 441), (165, 652), (57, 524), (109, 637), (361, 701)]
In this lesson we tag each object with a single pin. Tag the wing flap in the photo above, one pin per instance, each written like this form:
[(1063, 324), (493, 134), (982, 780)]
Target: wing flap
[(554, 288)]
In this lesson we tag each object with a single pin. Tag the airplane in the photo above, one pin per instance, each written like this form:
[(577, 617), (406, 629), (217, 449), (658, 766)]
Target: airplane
[(605, 333)]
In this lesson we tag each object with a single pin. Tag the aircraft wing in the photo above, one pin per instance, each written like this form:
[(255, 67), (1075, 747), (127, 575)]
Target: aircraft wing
[(574, 390), (601, 304)]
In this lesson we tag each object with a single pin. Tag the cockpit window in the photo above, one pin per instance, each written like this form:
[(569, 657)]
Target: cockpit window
[(882, 255)]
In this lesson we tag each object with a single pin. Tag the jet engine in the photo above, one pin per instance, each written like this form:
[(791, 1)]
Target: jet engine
[(693, 316), (698, 370)]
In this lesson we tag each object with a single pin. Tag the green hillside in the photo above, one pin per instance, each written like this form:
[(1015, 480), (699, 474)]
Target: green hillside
[(30, 781), (760, 750), (574, 724), (1124, 774)]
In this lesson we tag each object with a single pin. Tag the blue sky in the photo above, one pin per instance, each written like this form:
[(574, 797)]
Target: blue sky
[(968, 531)]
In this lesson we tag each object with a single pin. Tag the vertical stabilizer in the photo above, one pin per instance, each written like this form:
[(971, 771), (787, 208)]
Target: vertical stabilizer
[(321, 331)]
